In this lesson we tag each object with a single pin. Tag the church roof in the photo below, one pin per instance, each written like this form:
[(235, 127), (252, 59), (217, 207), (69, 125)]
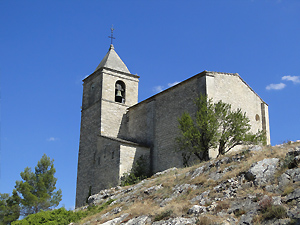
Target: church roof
[(113, 61)]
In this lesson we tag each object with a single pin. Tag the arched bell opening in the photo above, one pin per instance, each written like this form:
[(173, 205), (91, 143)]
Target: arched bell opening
[(120, 92)]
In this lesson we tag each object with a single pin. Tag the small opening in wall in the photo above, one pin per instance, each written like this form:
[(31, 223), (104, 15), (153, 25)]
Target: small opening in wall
[(112, 155), (94, 160), (257, 117)]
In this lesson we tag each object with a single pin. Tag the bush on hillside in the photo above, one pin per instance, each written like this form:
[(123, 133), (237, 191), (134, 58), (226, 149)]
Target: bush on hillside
[(138, 172), (60, 216)]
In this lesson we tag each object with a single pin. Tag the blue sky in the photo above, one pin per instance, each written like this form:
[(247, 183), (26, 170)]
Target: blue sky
[(48, 47)]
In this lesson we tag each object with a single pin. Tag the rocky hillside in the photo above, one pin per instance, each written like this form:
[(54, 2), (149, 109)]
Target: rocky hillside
[(254, 186)]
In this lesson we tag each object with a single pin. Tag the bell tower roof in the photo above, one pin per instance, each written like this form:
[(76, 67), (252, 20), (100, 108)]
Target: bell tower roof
[(113, 61)]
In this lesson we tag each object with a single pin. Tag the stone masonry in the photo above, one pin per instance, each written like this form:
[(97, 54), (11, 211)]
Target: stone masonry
[(116, 130)]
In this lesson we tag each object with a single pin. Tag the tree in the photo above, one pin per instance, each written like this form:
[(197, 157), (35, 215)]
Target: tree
[(214, 125), (9, 207), (37, 189), (234, 129)]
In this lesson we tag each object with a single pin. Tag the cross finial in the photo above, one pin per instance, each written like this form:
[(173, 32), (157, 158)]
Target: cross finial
[(112, 34)]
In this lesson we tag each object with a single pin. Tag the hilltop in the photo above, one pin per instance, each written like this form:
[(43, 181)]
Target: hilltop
[(259, 185)]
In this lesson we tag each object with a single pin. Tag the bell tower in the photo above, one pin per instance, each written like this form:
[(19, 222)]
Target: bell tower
[(107, 93)]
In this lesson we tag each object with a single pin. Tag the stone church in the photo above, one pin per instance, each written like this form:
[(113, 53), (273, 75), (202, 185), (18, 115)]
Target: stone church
[(116, 130)]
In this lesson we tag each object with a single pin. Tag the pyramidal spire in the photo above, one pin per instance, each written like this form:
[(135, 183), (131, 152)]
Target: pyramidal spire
[(113, 61)]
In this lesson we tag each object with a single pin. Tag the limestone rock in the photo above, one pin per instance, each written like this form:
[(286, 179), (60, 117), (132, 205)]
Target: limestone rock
[(198, 172), (276, 200), (176, 221), (141, 220), (152, 189), (262, 171), (117, 220), (164, 172), (256, 148), (178, 189), (295, 195), (196, 209), (247, 218)]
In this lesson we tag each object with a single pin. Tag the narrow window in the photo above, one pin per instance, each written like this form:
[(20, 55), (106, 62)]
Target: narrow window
[(94, 159), (257, 117), (112, 155), (120, 92)]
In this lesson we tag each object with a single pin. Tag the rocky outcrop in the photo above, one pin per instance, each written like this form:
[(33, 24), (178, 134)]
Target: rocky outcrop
[(245, 198)]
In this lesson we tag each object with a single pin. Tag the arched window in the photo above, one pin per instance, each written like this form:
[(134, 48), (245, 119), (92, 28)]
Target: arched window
[(120, 92)]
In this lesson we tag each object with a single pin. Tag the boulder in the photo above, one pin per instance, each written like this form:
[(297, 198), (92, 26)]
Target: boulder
[(263, 171)]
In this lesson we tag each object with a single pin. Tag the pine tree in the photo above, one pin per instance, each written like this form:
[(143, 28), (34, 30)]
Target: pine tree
[(37, 189), (9, 208)]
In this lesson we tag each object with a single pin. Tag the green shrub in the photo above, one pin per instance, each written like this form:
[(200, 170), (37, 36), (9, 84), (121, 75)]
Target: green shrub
[(60, 216), (274, 211), (270, 211), (138, 172), (289, 162), (164, 215)]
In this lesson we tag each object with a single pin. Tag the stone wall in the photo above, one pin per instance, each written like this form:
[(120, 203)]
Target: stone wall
[(113, 136), (112, 112), (230, 88), (130, 154), (90, 127), (155, 121), (101, 115), (113, 158)]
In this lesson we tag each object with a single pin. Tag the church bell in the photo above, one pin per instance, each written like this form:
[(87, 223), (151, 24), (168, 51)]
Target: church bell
[(119, 97), (119, 94)]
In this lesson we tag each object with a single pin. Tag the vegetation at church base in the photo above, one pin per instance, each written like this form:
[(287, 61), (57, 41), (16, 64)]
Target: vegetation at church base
[(60, 216), (138, 172), (215, 125), (34, 193), (57, 216)]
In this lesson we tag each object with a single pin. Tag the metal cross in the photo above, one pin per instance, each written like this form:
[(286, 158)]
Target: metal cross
[(112, 34)]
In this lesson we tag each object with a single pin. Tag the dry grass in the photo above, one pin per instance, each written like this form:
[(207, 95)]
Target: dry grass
[(199, 180), (147, 207), (97, 217), (209, 220), (222, 205), (288, 190)]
